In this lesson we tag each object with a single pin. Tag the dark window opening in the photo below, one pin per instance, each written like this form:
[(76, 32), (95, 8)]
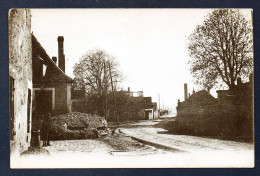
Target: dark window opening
[(28, 110), (11, 107)]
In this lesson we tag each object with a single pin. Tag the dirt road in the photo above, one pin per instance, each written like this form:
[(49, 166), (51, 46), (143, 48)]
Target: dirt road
[(145, 131), (121, 151)]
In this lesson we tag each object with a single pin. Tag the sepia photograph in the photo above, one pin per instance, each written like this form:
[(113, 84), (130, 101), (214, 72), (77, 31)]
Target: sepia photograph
[(131, 88)]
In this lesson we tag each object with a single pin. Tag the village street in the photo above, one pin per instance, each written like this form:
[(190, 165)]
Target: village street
[(151, 144), (144, 131), (118, 100)]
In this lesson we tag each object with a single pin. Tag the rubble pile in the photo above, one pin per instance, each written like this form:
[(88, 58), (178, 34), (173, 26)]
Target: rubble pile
[(77, 125)]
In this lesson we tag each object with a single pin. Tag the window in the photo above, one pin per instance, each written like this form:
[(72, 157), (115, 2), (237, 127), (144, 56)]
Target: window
[(11, 107), (44, 68), (28, 110)]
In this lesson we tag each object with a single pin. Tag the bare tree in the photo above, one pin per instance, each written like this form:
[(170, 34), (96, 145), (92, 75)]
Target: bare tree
[(221, 49), (95, 70)]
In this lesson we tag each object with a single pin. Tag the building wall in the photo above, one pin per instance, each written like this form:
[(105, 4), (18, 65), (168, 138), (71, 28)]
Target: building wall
[(156, 114), (61, 98), (62, 91), (194, 111), (149, 114), (69, 103), (20, 69)]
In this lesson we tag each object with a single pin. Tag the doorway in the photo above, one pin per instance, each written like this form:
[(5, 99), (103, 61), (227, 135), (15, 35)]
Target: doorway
[(42, 104)]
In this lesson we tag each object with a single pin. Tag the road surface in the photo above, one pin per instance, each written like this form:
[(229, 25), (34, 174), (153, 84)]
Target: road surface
[(191, 151), (146, 131), (163, 151)]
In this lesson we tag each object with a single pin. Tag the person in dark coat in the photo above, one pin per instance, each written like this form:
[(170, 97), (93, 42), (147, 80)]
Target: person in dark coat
[(48, 123), (45, 131)]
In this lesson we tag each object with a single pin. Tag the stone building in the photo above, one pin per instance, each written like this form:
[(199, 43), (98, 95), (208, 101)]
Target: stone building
[(145, 109), (51, 86), (231, 115), (197, 104), (20, 79), (150, 108), (239, 100), (242, 94)]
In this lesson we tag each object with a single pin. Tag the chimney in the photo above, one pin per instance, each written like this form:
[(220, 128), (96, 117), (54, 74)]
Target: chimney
[(239, 81), (208, 90), (185, 91), (54, 59), (61, 55)]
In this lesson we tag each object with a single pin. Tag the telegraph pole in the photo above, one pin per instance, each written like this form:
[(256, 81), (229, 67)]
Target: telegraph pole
[(159, 106), (105, 73), (112, 84)]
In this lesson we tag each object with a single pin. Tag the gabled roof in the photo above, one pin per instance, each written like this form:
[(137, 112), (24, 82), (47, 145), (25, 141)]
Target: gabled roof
[(53, 73), (201, 97)]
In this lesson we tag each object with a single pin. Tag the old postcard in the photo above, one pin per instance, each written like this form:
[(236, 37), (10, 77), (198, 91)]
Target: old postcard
[(131, 88)]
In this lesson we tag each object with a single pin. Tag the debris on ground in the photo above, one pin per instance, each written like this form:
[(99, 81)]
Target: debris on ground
[(35, 151), (121, 142), (77, 125)]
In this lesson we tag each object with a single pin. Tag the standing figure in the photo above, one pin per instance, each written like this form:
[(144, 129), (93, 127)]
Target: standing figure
[(45, 131), (48, 126)]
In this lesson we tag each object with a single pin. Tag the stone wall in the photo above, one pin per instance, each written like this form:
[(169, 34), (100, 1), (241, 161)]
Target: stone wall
[(20, 69)]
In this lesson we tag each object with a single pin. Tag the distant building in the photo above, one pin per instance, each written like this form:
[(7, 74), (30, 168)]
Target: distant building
[(134, 106), (164, 112), (242, 94), (134, 94), (238, 100), (78, 97), (196, 104), (150, 108), (20, 80)]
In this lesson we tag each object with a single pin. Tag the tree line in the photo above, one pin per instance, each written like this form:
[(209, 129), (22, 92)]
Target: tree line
[(98, 74)]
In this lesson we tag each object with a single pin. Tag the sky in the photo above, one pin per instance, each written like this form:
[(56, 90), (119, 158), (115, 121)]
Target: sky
[(149, 44)]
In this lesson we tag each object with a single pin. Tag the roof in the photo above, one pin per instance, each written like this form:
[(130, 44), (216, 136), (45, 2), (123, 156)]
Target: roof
[(53, 73), (201, 97)]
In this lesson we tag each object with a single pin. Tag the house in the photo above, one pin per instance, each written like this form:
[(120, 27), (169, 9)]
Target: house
[(130, 105), (20, 80), (196, 104), (238, 100), (51, 86), (150, 108), (144, 107), (241, 94)]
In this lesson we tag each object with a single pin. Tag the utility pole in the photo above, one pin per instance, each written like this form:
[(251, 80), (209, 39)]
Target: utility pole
[(163, 103), (159, 106), (105, 78), (112, 85)]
